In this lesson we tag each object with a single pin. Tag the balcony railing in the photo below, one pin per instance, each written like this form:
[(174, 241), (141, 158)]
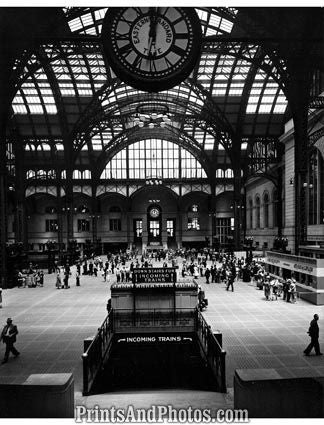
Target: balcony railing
[(290, 257)]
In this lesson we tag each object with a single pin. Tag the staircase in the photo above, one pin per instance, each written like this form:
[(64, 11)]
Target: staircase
[(141, 366)]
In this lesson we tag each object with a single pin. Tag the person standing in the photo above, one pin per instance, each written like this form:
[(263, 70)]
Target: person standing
[(8, 336), (58, 283), (207, 275), (230, 281), (313, 332), (77, 278)]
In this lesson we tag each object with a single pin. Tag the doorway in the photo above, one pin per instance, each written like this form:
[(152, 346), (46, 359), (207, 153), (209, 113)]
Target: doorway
[(154, 225)]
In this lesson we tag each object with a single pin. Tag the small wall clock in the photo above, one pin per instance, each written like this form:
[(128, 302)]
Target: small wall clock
[(154, 212)]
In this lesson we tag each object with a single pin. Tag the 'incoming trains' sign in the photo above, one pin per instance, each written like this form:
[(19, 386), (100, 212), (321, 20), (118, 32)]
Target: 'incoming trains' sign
[(152, 275)]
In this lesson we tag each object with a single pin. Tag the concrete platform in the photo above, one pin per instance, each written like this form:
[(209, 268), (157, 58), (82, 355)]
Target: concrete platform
[(256, 333)]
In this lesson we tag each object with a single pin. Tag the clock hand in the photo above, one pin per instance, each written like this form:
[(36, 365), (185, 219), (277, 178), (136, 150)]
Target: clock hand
[(153, 23), (152, 32)]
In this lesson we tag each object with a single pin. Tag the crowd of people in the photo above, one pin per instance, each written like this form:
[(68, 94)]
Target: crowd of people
[(207, 263), (273, 286), (31, 279)]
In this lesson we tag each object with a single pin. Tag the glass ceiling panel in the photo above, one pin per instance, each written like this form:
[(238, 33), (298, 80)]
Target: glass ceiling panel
[(90, 20), (266, 98), (35, 97)]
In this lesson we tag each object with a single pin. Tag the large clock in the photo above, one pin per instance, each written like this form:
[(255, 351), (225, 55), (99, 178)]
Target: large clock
[(152, 48)]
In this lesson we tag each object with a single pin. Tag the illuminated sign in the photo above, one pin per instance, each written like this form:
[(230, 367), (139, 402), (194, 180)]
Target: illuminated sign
[(152, 275)]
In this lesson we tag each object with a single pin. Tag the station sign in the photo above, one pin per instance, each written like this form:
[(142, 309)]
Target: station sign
[(153, 275), (310, 266), (153, 339)]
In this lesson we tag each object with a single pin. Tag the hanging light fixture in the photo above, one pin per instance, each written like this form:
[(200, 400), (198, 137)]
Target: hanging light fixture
[(151, 115)]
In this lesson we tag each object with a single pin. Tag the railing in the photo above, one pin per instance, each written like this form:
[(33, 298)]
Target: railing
[(94, 357), (188, 320), (154, 318), (213, 351)]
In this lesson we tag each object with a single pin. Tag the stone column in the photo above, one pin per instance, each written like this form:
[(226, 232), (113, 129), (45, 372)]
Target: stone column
[(237, 208)]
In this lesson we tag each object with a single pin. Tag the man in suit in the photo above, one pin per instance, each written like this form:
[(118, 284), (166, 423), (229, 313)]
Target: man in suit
[(313, 332), (8, 336)]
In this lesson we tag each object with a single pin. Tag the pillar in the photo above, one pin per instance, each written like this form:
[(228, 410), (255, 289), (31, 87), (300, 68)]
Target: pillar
[(237, 208), (298, 92), (69, 206), (279, 204)]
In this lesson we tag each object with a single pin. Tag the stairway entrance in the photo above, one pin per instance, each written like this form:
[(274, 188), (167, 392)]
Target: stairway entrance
[(155, 366)]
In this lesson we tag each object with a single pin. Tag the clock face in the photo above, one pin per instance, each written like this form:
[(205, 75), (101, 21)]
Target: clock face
[(154, 212), (152, 48)]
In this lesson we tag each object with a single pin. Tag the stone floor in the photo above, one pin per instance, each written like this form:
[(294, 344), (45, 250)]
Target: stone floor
[(256, 333)]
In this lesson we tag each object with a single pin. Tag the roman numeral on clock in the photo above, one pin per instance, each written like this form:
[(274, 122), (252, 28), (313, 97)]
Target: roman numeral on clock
[(138, 61), (177, 21), (126, 49), (122, 37), (177, 50), (152, 66), (128, 22), (138, 11), (181, 35), (167, 62)]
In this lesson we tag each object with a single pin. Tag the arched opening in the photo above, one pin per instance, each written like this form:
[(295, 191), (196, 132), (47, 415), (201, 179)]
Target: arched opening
[(266, 210), (153, 159), (250, 214), (257, 213), (154, 225)]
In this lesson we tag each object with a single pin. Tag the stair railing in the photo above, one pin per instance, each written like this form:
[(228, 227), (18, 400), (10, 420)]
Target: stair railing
[(212, 351), (95, 355)]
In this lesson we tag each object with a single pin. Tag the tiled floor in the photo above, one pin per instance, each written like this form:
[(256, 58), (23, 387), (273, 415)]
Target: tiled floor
[(263, 334), (256, 333)]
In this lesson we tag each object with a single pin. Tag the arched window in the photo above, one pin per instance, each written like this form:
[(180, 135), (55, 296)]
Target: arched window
[(229, 173), (63, 174), (275, 207), (87, 174), (77, 174), (250, 214), (51, 174), (219, 173), (313, 174), (153, 158), (257, 212), (30, 174), (41, 174), (45, 147), (266, 210)]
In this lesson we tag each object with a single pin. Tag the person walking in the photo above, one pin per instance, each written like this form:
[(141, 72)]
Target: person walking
[(8, 336), (313, 332)]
